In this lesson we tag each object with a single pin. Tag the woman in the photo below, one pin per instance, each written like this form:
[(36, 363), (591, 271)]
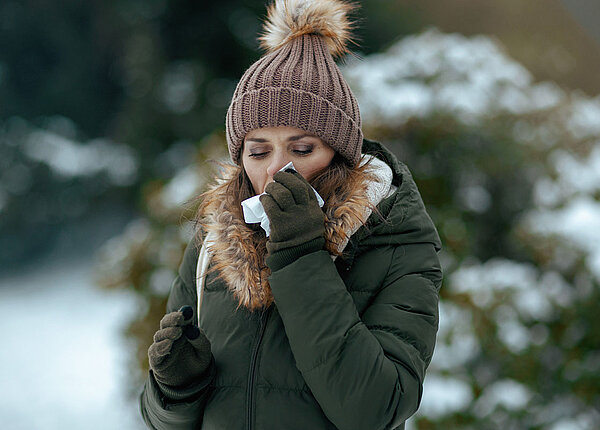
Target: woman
[(329, 322)]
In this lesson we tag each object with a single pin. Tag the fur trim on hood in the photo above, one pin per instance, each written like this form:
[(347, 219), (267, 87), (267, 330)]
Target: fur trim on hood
[(238, 250)]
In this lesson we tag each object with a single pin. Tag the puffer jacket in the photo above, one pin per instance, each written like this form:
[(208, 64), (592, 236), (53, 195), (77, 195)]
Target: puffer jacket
[(345, 345)]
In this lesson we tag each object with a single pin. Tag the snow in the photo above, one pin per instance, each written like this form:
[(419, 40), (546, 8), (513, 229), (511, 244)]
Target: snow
[(512, 332), (64, 360), (115, 251), (514, 293), (69, 158), (533, 293), (578, 222), (475, 198), (470, 77), (577, 175), (506, 393), (179, 87), (456, 343), (482, 281), (184, 186), (563, 414), (444, 395), (584, 119)]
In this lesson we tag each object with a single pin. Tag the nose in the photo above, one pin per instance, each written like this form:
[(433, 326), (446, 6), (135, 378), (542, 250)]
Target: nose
[(277, 162)]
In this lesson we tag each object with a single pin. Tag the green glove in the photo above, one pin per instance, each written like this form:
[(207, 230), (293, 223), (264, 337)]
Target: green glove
[(179, 355), (297, 222)]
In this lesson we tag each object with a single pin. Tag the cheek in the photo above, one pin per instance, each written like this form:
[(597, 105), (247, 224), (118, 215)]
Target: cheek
[(309, 172), (311, 169), (257, 177)]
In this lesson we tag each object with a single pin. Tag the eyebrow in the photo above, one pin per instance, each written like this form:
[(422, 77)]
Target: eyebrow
[(290, 139)]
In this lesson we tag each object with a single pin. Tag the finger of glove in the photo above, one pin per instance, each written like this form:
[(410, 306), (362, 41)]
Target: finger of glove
[(172, 319), (296, 184), (281, 195), (270, 205), (158, 351), (187, 311), (172, 333), (199, 340)]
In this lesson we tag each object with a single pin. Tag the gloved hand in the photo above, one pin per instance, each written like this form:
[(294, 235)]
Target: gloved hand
[(297, 222), (180, 353)]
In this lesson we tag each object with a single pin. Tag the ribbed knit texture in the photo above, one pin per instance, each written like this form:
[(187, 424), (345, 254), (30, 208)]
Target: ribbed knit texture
[(300, 86), (283, 257)]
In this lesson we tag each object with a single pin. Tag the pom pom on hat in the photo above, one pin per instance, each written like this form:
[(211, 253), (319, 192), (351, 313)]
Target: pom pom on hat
[(288, 19)]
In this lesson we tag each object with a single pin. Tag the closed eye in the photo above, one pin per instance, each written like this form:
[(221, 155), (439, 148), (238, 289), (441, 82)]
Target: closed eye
[(258, 154), (302, 149)]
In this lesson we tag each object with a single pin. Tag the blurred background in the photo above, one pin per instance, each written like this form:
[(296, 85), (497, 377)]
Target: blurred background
[(109, 111)]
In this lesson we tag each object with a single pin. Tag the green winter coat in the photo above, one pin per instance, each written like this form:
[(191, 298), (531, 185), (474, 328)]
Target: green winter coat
[(346, 344)]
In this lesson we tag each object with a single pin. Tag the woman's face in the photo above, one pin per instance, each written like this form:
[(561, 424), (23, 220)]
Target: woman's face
[(267, 150)]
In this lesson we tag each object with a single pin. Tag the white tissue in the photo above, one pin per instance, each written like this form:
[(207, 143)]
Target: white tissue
[(255, 213)]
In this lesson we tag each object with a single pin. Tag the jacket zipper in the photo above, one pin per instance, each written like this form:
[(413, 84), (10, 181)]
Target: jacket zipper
[(262, 324)]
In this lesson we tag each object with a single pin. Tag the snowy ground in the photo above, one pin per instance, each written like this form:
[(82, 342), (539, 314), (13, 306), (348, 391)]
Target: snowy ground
[(63, 361)]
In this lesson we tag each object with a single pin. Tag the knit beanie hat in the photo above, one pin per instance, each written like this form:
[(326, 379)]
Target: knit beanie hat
[(297, 83)]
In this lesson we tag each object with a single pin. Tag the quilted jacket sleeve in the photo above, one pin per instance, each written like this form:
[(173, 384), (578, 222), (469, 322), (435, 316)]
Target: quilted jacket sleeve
[(366, 371), (158, 411)]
